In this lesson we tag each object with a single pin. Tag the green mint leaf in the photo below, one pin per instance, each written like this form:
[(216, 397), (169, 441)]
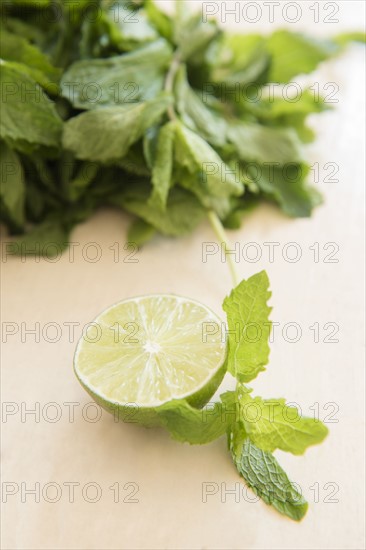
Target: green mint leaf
[(134, 161), (130, 30), (298, 123), (242, 59), (248, 322), (48, 239), (183, 212), (84, 176), (240, 207), (27, 30), (140, 232), (35, 200), (192, 36), (276, 108), (28, 115), (282, 113), (160, 20), (28, 59), (294, 53), (288, 187), (203, 172), (195, 114), (195, 426), (271, 424), (268, 480), (12, 189), (263, 144), (123, 79), (106, 134), (162, 168)]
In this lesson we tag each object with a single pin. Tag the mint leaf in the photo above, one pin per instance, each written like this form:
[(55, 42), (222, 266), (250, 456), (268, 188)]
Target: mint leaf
[(12, 189), (195, 114), (248, 322), (295, 53), (162, 167), (106, 134), (240, 208), (140, 232), (203, 172), (28, 59), (264, 144), (84, 176), (27, 113), (130, 30), (134, 162), (242, 60), (192, 35), (278, 107), (271, 424), (282, 113), (182, 214), (48, 239), (195, 426), (160, 20), (288, 187), (185, 423), (268, 480), (123, 79)]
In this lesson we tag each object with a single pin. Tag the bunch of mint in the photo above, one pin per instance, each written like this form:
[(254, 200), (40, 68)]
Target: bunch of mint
[(118, 103)]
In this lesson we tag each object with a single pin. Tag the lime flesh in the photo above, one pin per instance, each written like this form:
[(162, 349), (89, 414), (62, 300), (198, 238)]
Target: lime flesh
[(150, 350)]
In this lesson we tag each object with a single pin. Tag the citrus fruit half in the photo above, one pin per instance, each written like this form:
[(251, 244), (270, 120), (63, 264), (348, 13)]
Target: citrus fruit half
[(147, 351)]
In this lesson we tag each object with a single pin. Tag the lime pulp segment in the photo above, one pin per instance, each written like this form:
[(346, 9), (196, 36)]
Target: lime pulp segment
[(150, 350)]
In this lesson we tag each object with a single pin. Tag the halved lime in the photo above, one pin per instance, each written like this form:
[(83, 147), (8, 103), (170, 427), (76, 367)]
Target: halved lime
[(145, 352)]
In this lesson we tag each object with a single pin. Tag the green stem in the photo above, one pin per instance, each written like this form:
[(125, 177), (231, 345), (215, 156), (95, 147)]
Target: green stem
[(222, 237)]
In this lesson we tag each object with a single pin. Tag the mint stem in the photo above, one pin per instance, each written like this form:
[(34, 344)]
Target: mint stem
[(222, 237)]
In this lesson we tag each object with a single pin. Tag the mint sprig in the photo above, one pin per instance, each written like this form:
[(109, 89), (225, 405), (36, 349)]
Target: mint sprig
[(262, 425), (255, 427)]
